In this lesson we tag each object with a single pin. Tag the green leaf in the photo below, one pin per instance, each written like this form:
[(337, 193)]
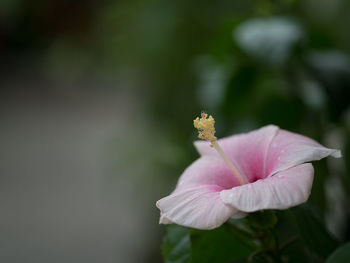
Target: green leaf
[(262, 220), (177, 245), (218, 246), (313, 231), (341, 255)]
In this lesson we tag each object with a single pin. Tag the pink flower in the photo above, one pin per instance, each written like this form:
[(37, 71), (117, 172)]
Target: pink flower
[(272, 162)]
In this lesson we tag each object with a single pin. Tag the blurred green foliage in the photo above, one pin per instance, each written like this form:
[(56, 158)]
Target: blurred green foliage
[(341, 255)]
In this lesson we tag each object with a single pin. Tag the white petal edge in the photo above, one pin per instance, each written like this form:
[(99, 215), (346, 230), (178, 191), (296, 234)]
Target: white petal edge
[(283, 190), (197, 206), (164, 220)]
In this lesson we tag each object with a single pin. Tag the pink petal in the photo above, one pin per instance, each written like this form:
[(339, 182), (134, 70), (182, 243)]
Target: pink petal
[(208, 170), (290, 149), (247, 151), (197, 206), (196, 200), (283, 190)]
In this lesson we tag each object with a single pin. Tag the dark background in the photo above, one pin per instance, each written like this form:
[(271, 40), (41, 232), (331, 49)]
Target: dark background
[(97, 100)]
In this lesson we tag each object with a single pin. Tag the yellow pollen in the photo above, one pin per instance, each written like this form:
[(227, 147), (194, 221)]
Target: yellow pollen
[(206, 131), (205, 127)]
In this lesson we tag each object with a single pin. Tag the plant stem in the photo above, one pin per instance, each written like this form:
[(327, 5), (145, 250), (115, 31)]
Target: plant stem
[(288, 242), (277, 253)]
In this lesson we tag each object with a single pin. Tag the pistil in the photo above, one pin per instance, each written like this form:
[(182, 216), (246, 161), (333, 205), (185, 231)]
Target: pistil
[(206, 131)]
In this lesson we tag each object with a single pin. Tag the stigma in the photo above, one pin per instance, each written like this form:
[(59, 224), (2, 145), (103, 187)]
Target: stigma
[(205, 127)]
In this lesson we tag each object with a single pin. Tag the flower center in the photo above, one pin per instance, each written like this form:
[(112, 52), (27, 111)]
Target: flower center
[(206, 131)]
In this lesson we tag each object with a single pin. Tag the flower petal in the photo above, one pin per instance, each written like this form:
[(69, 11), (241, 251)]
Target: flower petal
[(290, 149), (247, 151), (283, 190), (164, 220), (197, 206), (208, 170)]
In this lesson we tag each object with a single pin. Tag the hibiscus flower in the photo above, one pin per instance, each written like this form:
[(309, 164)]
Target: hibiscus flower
[(264, 169)]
